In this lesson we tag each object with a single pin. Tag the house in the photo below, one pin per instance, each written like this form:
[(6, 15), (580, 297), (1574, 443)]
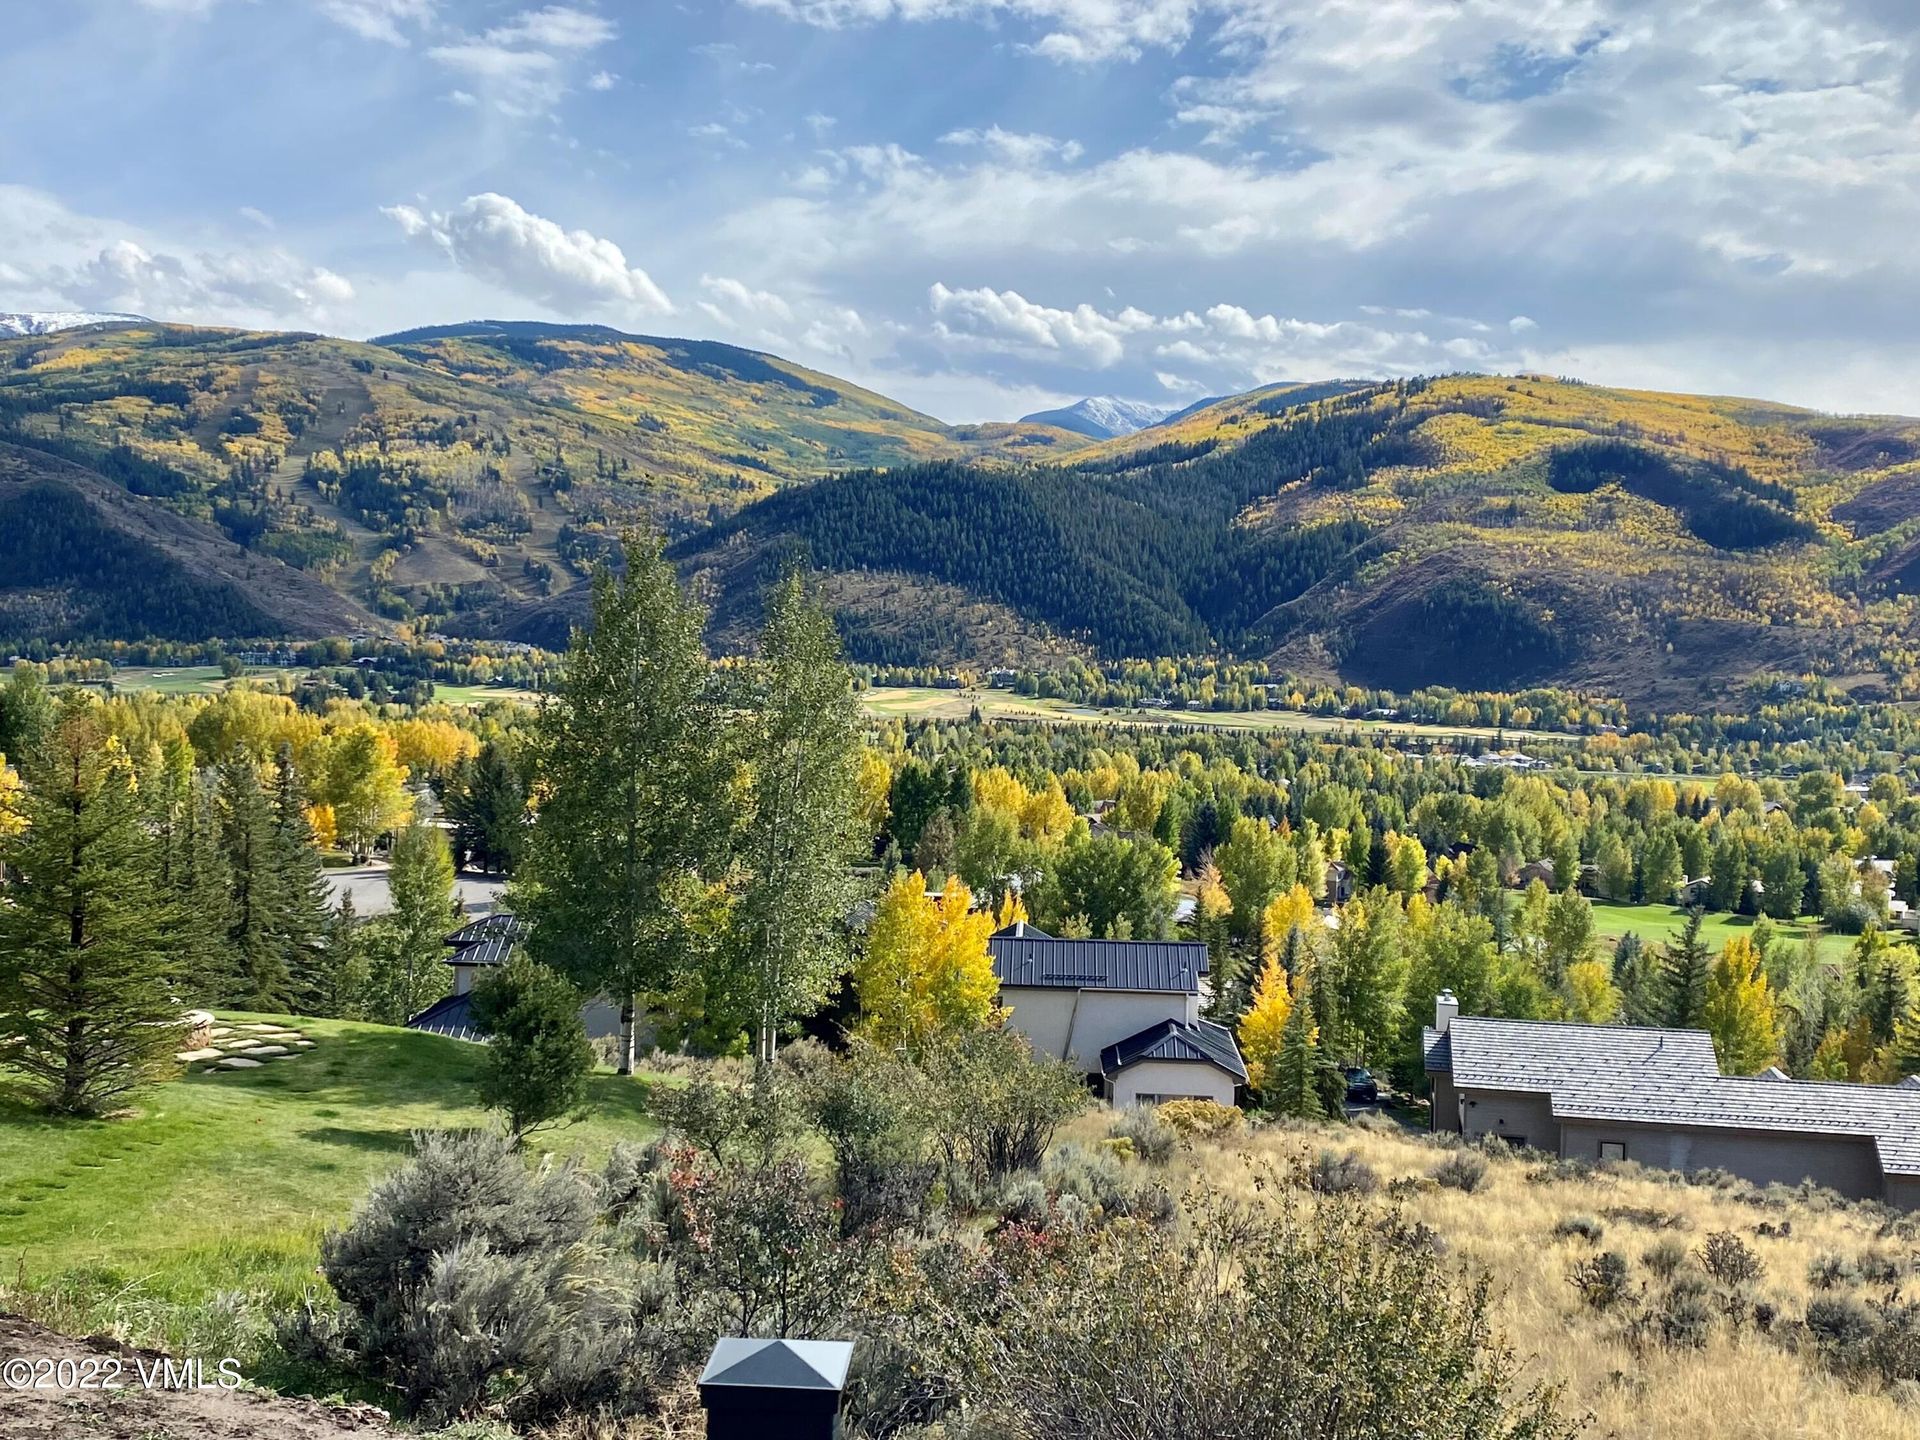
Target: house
[(476, 948), (1541, 870), (1126, 1011), (1340, 882), (1617, 1092)]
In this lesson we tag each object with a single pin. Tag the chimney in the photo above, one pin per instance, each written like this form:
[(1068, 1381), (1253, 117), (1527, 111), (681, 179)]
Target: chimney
[(775, 1389), (1445, 1007)]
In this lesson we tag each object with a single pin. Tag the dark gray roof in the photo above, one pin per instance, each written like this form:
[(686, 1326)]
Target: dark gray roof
[(488, 940), (1669, 1077), (1205, 1043), (779, 1364), (1173, 966), (451, 1015)]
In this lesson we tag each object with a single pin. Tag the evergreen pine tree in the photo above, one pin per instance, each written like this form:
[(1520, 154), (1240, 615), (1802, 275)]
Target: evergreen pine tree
[(256, 920), (1684, 975), (86, 1009), (1294, 1087), (488, 807), (340, 973), (304, 896)]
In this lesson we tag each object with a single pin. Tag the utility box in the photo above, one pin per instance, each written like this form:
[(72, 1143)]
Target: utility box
[(775, 1389)]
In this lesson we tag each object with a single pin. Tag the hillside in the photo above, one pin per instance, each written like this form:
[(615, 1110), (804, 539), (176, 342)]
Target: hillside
[(457, 469), (1472, 531)]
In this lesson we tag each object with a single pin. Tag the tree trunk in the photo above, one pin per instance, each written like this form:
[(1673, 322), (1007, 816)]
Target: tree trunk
[(626, 1035)]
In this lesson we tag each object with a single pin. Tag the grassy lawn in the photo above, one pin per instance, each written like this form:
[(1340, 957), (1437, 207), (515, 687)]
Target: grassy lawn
[(1657, 924), (224, 1182), (922, 702), (481, 694)]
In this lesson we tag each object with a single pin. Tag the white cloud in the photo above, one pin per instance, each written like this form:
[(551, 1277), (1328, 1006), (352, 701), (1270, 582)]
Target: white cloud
[(1005, 319), (492, 238), (525, 66), (1073, 31), (60, 259), (382, 20), (1018, 148), (257, 216)]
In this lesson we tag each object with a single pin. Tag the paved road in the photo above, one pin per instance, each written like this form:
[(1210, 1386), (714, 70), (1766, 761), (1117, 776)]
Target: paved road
[(477, 894)]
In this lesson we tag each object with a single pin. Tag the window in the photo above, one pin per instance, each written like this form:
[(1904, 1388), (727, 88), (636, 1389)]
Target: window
[(1613, 1149)]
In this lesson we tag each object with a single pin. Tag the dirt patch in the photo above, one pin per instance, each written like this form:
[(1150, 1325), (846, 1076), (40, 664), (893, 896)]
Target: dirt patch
[(1881, 505), (134, 1412)]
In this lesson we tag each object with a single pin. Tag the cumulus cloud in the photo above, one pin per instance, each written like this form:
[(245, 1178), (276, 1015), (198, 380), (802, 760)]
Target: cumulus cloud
[(1010, 145), (492, 238), (527, 64), (60, 259), (1008, 320), (383, 20)]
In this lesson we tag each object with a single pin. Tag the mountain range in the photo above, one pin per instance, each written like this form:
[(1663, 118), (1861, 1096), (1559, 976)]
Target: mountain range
[(1475, 531), (45, 322)]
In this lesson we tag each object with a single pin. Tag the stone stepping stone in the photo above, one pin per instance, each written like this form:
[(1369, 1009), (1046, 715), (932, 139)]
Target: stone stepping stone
[(303, 1044), (267, 1052), (219, 1032), (189, 1056), (239, 1062), (258, 1025)]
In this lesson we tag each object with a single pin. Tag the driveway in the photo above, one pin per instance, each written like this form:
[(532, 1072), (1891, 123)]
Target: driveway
[(477, 894)]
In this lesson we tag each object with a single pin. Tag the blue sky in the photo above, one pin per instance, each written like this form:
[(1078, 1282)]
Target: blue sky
[(985, 206)]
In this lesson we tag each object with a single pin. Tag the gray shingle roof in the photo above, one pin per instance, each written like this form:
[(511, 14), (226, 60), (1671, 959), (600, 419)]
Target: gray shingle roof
[(1669, 1077), (1171, 966), (1205, 1043), (1544, 1055)]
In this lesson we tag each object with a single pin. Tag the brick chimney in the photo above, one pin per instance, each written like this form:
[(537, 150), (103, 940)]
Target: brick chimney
[(775, 1389), (1445, 1007)]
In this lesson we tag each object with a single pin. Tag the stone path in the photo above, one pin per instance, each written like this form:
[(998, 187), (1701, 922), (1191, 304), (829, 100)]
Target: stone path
[(245, 1045)]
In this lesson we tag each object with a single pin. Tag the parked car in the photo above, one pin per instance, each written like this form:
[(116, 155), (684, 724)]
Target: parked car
[(1362, 1088)]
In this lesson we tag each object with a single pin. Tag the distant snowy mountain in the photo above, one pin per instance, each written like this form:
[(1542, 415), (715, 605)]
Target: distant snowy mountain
[(1101, 416), (45, 322)]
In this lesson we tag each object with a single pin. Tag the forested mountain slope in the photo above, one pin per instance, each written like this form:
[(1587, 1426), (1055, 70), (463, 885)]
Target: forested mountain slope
[(459, 469), (1469, 530)]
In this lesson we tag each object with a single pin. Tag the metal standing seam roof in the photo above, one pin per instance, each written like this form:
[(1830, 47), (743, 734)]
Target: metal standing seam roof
[(1205, 1043), (451, 1015), (1170, 966), (1669, 1077), (486, 941), (779, 1364)]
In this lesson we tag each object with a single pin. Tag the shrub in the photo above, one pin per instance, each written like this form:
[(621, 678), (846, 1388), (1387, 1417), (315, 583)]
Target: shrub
[(877, 1131), (1828, 1271), (1839, 1323), (538, 1057), (1584, 1226), (1665, 1257), (1023, 1201), (467, 1281), (1602, 1280), (993, 1104), (1464, 1171), (1684, 1318), (1246, 1322), (1204, 1118), (1101, 1181), (1333, 1173), (1730, 1260), (1153, 1139)]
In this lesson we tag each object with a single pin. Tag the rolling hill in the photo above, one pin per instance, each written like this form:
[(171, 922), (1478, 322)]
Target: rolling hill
[(457, 470), (1474, 531), (1467, 530)]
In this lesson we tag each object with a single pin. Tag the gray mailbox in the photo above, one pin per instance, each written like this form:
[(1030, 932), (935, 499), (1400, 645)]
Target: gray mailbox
[(775, 1389)]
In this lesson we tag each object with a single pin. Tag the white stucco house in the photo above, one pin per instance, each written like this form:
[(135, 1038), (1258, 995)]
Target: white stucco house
[(1127, 1011)]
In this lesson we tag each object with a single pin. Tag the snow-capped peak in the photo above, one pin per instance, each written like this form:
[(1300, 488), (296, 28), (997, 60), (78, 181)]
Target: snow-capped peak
[(1101, 416), (45, 322)]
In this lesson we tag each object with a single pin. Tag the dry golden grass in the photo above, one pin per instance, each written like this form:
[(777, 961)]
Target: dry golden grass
[(1736, 1388)]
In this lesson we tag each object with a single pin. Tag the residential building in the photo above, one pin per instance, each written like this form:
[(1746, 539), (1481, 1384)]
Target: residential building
[(1617, 1092), (476, 948), (1126, 1011)]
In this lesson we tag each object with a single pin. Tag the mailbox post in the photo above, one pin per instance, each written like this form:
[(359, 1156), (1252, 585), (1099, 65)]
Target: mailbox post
[(775, 1389)]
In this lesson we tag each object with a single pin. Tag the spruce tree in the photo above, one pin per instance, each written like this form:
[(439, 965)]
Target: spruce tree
[(304, 895), (538, 1058), (256, 921), (1684, 975), (488, 807), (1294, 1087), (202, 883), (86, 1009)]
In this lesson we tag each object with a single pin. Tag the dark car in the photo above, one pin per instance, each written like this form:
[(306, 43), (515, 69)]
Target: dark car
[(1362, 1088)]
